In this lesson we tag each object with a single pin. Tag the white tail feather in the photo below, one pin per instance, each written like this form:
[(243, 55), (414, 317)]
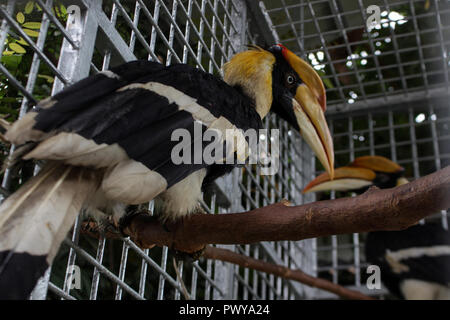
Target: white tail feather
[(37, 217)]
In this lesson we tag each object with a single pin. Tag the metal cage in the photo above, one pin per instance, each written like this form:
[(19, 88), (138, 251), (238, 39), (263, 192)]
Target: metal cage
[(387, 90)]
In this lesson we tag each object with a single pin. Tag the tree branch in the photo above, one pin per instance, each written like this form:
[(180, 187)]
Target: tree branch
[(91, 229), (388, 209), (281, 271)]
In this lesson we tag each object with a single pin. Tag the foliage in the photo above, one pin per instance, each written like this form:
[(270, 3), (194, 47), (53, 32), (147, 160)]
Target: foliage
[(17, 56)]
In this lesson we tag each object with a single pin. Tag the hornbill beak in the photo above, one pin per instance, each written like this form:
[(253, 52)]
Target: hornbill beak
[(309, 105), (345, 179), (360, 173), (377, 163)]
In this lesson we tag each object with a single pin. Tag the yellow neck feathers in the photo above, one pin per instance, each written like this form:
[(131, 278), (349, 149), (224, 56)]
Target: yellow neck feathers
[(252, 70)]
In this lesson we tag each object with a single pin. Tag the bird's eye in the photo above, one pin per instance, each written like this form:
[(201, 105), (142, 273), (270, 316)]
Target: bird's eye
[(290, 80)]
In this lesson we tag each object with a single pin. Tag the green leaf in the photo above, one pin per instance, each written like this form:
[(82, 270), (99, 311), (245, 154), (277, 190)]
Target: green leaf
[(20, 18), (48, 78), (10, 61), (63, 9), (29, 7), (31, 33), (8, 100), (6, 110), (326, 81), (7, 53), (17, 47), (32, 25), (22, 41)]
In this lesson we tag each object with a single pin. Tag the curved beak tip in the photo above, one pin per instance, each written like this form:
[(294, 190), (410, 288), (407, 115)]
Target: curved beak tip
[(306, 190), (313, 126)]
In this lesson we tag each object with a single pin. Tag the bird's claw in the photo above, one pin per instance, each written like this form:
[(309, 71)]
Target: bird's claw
[(109, 227), (189, 256), (126, 219), (103, 228)]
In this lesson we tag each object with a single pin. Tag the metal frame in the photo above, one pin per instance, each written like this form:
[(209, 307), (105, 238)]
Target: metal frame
[(409, 124), (340, 18), (205, 33)]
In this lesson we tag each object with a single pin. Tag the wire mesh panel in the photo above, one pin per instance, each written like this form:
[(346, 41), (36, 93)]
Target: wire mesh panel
[(387, 93), (98, 36), (48, 45), (401, 57), (295, 168), (387, 90), (415, 135)]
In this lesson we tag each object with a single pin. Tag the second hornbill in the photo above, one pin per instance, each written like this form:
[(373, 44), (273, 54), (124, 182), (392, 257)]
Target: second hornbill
[(415, 262), (107, 143)]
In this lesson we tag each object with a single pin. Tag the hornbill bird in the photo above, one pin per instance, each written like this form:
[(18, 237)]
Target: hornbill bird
[(415, 262), (106, 141)]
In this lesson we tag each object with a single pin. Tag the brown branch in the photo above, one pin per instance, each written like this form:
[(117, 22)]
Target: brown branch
[(213, 253), (281, 271), (388, 209)]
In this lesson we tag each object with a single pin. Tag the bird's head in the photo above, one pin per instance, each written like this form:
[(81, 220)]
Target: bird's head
[(362, 173), (279, 81)]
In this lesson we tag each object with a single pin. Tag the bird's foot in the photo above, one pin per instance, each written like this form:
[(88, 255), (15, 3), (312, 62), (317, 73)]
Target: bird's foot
[(108, 227), (189, 256), (100, 228), (126, 219), (90, 226)]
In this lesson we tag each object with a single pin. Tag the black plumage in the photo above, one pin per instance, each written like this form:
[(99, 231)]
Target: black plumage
[(142, 121), (434, 269), (108, 142), (415, 262), (139, 121)]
